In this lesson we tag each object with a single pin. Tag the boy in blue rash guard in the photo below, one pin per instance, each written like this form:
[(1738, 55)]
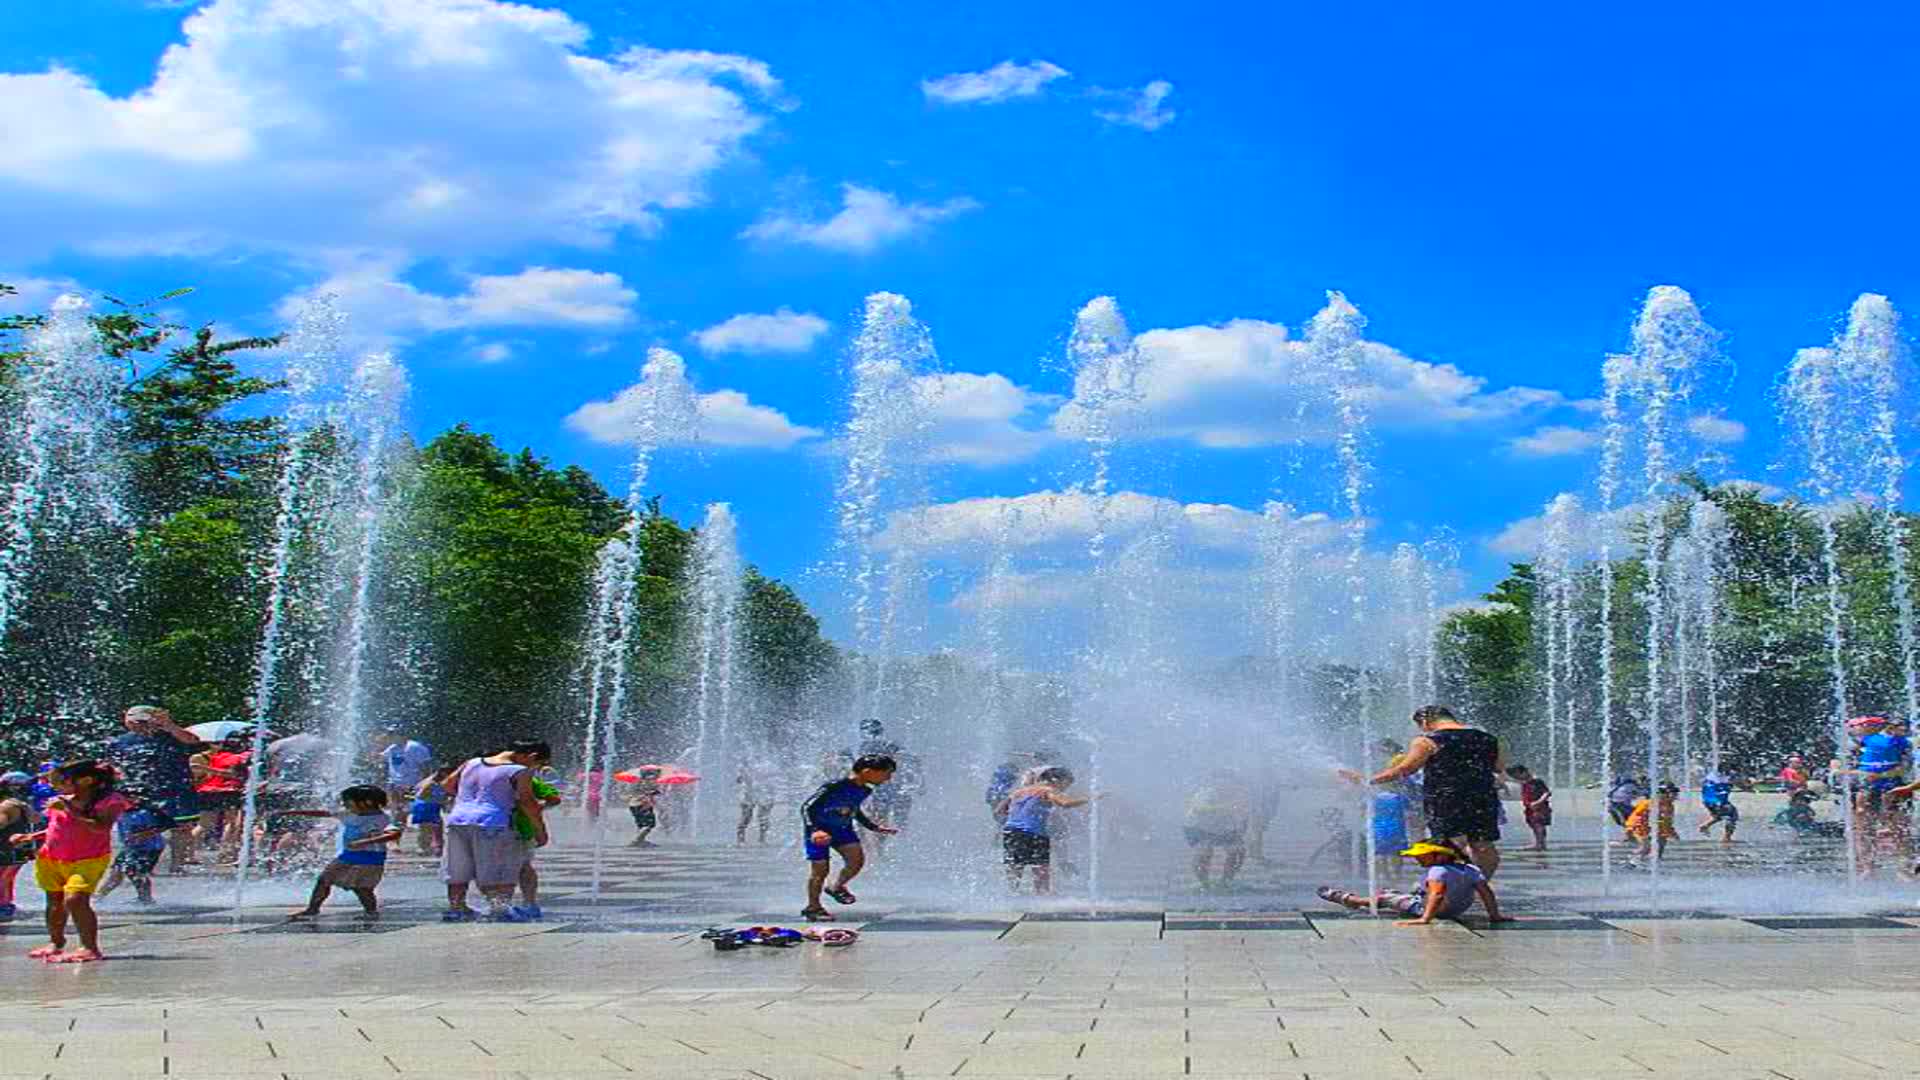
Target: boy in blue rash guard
[(1716, 795), (827, 822)]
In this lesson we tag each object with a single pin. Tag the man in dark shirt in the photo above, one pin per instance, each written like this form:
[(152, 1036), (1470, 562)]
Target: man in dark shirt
[(827, 821), (154, 759)]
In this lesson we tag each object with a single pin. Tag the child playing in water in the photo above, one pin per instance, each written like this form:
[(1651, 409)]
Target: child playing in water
[(643, 802), (1536, 804), (1640, 827), (16, 819), (1217, 816), (429, 801), (548, 795), (829, 818), (361, 859), (1449, 888), (1028, 811), (75, 849), (1716, 796), (143, 836)]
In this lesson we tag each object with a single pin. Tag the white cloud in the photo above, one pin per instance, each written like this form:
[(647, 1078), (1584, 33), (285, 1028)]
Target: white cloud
[(978, 419), (1718, 430), (493, 352), (1002, 82), (1554, 441), (1145, 107), (1248, 384), (433, 127), (868, 220), (784, 331), (34, 295), (1053, 519), (726, 418), (385, 309)]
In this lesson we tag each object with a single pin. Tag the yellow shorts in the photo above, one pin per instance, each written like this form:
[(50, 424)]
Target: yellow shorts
[(79, 876)]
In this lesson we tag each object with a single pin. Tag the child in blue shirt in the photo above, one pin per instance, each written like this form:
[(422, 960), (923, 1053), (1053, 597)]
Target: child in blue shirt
[(1716, 795), (143, 836), (828, 820), (361, 859)]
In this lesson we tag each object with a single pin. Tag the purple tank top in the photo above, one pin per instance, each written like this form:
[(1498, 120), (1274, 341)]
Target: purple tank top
[(485, 797)]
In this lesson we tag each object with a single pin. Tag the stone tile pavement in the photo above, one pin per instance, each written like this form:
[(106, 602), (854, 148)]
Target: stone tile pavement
[(1257, 983)]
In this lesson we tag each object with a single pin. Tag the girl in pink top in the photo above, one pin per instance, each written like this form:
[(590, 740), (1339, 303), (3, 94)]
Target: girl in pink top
[(75, 850)]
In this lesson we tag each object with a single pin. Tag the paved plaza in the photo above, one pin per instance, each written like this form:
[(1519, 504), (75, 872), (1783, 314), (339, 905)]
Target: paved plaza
[(1260, 982)]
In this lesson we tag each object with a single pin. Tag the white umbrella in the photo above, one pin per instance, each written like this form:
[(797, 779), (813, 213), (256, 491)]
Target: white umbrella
[(218, 730)]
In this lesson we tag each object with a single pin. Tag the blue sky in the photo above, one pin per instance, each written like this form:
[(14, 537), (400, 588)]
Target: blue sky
[(1496, 189)]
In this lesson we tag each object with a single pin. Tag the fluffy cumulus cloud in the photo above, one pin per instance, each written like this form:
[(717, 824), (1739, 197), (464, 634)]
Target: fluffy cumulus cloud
[(1144, 108), (432, 127), (1248, 383), (33, 295), (1057, 519), (386, 309), (784, 331), (1553, 440), (867, 221), (1002, 82), (1718, 430), (724, 418), (982, 420)]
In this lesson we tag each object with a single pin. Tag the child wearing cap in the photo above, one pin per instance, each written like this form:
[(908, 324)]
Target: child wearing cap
[(1450, 885), (1640, 822)]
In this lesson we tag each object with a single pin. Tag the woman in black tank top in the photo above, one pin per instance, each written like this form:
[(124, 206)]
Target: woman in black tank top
[(1461, 766)]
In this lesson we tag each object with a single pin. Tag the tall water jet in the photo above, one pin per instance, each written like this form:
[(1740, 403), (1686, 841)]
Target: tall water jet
[(1281, 551), (662, 410), (1614, 374), (1556, 580), (65, 436), (1409, 591), (1106, 369), (717, 598), (376, 398), (1812, 404), (886, 420), (1439, 560), (1671, 346), (1872, 359), (313, 375), (1703, 584), (1335, 349)]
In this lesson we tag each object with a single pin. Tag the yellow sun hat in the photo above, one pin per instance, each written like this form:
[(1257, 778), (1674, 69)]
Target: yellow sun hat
[(1425, 847)]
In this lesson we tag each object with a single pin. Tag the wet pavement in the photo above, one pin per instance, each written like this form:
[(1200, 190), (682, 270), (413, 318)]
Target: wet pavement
[(1731, 969)]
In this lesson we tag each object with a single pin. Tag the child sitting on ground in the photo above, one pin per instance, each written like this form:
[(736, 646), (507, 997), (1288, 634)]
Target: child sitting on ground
[(1639, 823), (361, 859), (1450, 886)]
